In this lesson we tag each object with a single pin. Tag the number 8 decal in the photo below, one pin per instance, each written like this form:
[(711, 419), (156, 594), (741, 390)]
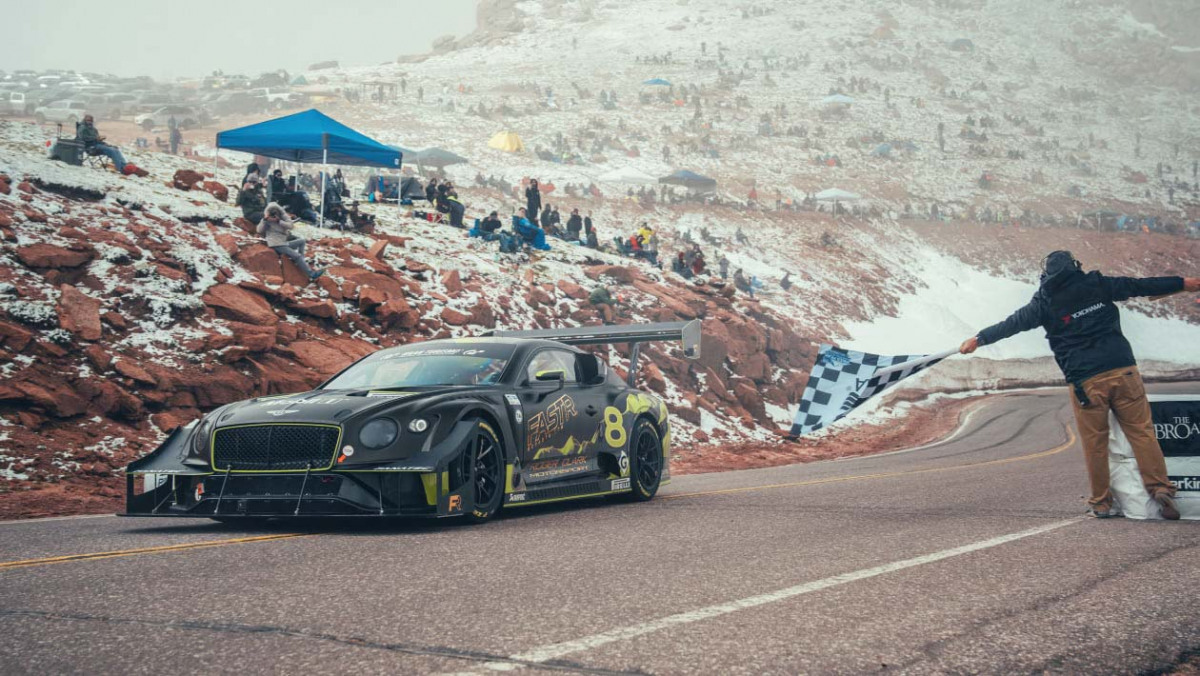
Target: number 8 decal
[(614, 428)]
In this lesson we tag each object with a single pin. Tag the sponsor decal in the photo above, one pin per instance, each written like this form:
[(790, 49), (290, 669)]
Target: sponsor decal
[(835, 358), (315, 401), (543, 469), (520, 417), (281, 412), (389, 394), (1066, 319), (455, 504), (547, 423), (620, 484), (1177, 428), (623, 463), (516, 497), (512, 399), (1185, 483), (407, 468)]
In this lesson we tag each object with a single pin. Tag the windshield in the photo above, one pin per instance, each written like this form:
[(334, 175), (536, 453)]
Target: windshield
[(425, 367)]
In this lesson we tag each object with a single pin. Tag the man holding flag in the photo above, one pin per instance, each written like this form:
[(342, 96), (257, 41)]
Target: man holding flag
[(1082, 323)]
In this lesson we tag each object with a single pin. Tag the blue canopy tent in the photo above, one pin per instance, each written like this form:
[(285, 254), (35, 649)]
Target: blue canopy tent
[(690, 180), (310, 137), (657, 82)]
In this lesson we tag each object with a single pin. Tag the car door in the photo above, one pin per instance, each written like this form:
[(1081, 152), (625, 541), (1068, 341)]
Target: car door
[(562, 419)]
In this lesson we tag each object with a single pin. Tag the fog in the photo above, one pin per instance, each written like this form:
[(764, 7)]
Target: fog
[(176, 39)]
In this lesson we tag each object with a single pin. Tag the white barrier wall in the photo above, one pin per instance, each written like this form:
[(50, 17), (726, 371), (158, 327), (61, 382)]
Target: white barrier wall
[(1177, 426)]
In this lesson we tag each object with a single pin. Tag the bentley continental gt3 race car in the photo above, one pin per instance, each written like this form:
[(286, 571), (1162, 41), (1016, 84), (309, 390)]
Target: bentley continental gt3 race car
[(443, 428)]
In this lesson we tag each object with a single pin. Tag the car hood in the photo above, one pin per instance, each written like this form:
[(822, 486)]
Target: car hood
[(321, 406)]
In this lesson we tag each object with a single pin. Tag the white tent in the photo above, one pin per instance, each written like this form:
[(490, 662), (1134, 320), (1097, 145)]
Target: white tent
[(837, 98), (626, 176), (836, 195)]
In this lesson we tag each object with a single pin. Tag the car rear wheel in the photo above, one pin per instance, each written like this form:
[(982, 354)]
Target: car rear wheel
[(485, 456), (646, 461)]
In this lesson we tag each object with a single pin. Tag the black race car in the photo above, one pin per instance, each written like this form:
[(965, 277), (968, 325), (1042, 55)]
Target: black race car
[(456, 427)]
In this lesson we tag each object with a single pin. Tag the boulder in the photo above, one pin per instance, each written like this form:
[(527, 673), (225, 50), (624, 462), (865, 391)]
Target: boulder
[(365, 278), (14, 337), (325, 309), (51, 256), (79, 313), (186, 179), (572, 290), (748, 396), (620, 273), (217, 190), (259, 259), (320, 356), (237, 304), (133, 371), (370, 298), (56, 399), (453, 283), (482, 315), (252, 337), (454, 317), (377, 249)]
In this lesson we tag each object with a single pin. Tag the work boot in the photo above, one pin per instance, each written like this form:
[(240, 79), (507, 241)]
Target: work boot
[(1167, 505)]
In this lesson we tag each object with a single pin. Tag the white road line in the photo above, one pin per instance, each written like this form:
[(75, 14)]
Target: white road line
[(558, 650), (17, 522)]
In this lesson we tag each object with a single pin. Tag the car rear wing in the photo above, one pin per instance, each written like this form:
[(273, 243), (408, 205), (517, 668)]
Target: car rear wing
[(688, 333)]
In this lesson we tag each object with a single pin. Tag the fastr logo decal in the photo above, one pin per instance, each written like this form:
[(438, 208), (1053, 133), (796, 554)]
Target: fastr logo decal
[(544, 425)]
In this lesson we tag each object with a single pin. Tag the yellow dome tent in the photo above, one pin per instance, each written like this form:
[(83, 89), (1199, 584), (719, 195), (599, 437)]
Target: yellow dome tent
[(508, 141)]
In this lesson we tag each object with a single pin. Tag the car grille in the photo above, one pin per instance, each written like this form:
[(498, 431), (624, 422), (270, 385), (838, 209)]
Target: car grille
[(275, 447)]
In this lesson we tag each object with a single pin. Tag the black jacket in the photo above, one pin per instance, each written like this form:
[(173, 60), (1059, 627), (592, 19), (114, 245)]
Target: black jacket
[(574, 223), (533, 198), (1082, 323)]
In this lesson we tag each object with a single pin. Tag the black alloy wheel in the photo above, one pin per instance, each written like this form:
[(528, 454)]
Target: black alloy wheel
[(647, 461), (486, 458)]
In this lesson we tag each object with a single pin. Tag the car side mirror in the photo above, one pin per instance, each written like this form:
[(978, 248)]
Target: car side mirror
[(592, 369), (555, 376)]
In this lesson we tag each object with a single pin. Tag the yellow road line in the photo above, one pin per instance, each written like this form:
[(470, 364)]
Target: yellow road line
[(147, 550), (813, 482)]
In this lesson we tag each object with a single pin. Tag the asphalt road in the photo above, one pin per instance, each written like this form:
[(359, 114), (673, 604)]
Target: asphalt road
[(969, 556)]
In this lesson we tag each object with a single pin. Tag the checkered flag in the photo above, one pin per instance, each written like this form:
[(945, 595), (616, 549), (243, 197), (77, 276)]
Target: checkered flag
[(843, 379)]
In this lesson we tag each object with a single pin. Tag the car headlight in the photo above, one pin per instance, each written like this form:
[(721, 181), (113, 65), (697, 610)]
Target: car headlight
[(378, 433), (200, 436)]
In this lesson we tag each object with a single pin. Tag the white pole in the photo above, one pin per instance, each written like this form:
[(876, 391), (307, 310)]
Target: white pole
[(324, 177)]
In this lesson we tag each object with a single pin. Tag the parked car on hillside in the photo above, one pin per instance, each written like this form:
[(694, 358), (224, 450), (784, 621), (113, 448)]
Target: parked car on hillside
[(275, 97), (186, 117), (12, 102), (66, 112), (238, 103)]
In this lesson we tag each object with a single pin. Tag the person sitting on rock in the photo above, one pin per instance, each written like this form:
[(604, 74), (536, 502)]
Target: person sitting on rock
[(574, 225), (87, 134), (741, 283), (593, 239), (786, 282), (279, 187), (251, 199), (487, 228), (680, 267), (533, 235), (276, 229)]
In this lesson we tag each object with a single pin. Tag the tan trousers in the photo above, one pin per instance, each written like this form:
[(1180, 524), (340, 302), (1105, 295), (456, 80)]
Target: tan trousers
[(1121, 391)]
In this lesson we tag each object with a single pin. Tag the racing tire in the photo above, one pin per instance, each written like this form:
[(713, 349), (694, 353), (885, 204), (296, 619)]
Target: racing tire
[(645, 461), (486, 457)]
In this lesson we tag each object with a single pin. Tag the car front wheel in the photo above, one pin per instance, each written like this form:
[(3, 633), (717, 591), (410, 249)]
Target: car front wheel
[(484, 459)]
